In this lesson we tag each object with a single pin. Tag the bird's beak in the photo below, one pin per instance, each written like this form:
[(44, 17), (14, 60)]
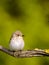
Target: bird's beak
[(22, 35)]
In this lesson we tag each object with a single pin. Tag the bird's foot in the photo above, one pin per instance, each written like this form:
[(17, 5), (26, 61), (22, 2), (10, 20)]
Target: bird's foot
[(17, 53)]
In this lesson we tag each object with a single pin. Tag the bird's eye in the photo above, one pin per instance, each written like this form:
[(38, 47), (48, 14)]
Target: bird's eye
[(17, 34)]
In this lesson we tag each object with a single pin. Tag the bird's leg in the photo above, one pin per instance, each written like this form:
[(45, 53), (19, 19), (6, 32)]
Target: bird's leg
[(20, 50), (17, 53)]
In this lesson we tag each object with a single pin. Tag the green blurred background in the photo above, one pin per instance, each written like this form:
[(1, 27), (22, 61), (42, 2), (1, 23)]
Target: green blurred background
[(32, 18)]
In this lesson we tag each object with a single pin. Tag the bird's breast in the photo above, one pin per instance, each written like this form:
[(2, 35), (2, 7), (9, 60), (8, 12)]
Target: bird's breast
[(17, 44)]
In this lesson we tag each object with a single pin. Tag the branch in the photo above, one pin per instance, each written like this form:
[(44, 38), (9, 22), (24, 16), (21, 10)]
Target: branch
[(25, 53)]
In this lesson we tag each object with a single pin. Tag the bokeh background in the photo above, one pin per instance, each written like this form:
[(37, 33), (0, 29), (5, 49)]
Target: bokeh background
[(32, 18)]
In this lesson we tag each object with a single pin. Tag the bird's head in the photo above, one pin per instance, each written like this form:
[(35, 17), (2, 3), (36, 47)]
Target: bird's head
[(18, 33)]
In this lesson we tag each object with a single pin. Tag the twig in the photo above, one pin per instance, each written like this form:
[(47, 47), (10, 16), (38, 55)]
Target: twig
[(25, 53)]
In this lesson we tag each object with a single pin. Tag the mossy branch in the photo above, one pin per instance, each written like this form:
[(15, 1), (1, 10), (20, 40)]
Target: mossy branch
[(25, 53)]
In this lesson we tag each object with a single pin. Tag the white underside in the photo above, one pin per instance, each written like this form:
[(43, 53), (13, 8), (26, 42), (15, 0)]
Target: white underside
[(17, 44)]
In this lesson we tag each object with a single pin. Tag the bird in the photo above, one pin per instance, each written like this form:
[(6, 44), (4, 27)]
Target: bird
[(16, 41)]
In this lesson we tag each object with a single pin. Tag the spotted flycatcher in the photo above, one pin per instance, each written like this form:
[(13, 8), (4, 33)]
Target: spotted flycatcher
[(16, 41)]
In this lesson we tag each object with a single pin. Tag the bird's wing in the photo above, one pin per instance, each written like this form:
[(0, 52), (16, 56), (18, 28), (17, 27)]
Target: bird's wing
[(11, 38)]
